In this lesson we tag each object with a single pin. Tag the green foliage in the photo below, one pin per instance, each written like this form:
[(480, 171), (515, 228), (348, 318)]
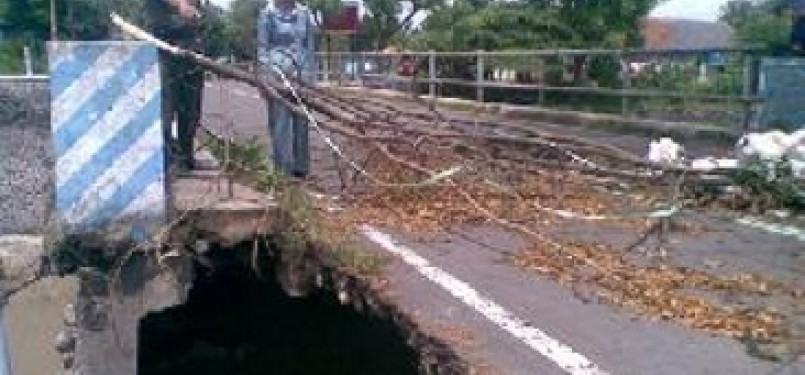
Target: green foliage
[(214, 31), (248, 159), (771, 186), (765, 24), (75, 19), (11, 61), (241, 27), (387, 19), (307, 228), (496, 25), (25, 17), (27, 22), (605, 70)]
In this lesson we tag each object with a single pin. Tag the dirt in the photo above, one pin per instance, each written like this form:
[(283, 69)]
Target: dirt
[(33, 318)]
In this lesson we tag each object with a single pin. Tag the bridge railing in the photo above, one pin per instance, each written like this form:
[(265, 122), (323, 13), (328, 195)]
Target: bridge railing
[(706, 86)]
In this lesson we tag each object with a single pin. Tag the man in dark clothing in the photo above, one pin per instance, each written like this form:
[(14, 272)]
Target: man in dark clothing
[(178, 22)]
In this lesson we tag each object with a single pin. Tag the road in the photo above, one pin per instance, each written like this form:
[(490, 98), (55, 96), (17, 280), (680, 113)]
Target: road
[(505, 320)]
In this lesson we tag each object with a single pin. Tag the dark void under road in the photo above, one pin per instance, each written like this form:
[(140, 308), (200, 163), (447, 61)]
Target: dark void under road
[(237, 324)]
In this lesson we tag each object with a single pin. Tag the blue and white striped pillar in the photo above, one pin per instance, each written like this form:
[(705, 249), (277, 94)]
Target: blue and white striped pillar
[(107, 138)]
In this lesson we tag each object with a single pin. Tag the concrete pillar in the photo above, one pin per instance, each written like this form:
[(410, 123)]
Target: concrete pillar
[(108, 140)]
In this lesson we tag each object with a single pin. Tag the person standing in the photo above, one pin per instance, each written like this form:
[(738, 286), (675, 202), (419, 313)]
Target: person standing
[(285, 41), (179, 22)]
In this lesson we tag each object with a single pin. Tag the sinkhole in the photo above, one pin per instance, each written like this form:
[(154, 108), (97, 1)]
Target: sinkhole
[(236, 322)]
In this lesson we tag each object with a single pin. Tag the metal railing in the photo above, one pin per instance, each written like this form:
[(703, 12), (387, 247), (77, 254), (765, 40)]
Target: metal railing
[(711, 86)]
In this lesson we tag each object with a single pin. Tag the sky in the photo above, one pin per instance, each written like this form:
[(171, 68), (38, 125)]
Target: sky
[(707, 10)]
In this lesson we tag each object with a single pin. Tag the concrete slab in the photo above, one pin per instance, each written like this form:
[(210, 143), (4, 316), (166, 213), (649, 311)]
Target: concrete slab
[(220, 211)]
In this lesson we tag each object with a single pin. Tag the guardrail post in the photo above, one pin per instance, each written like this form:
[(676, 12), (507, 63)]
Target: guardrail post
[(542, 81), (325, 67), (432, 73), (627, 84), (748, 91), (479, 76), (328, 58), (360, 68), (29, 66)]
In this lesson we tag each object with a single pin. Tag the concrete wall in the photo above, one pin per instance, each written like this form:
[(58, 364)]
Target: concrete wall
[(102, 337), (26, 166), (33, 313)]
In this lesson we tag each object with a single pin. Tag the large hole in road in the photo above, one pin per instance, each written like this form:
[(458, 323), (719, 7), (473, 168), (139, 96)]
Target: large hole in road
[(238, 323)]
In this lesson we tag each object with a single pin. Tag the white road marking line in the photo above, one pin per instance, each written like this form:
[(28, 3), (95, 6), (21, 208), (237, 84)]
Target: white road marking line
[(774, 228), (560, 354)]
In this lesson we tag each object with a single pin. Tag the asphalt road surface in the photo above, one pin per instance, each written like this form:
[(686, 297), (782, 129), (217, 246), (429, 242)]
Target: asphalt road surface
[(508, 321)]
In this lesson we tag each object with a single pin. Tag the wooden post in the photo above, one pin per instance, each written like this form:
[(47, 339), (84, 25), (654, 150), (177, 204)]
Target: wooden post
[(479, 76), (432, 73)]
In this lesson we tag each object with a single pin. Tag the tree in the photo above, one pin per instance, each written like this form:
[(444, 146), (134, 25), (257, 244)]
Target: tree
[(25, 17), (386, 19), (27, 23), (490, 24), (765, 24), (76, 19), (214, 30), (241, 27)]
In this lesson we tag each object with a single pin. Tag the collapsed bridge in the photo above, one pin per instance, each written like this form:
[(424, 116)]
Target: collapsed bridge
[(528, 207)]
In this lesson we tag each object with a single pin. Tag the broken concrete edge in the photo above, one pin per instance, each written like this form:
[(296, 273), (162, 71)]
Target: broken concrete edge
[(323, 268), (627, 125), (119, 286), (283, 215), (22, 260), (100, 335), (103, 322)]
